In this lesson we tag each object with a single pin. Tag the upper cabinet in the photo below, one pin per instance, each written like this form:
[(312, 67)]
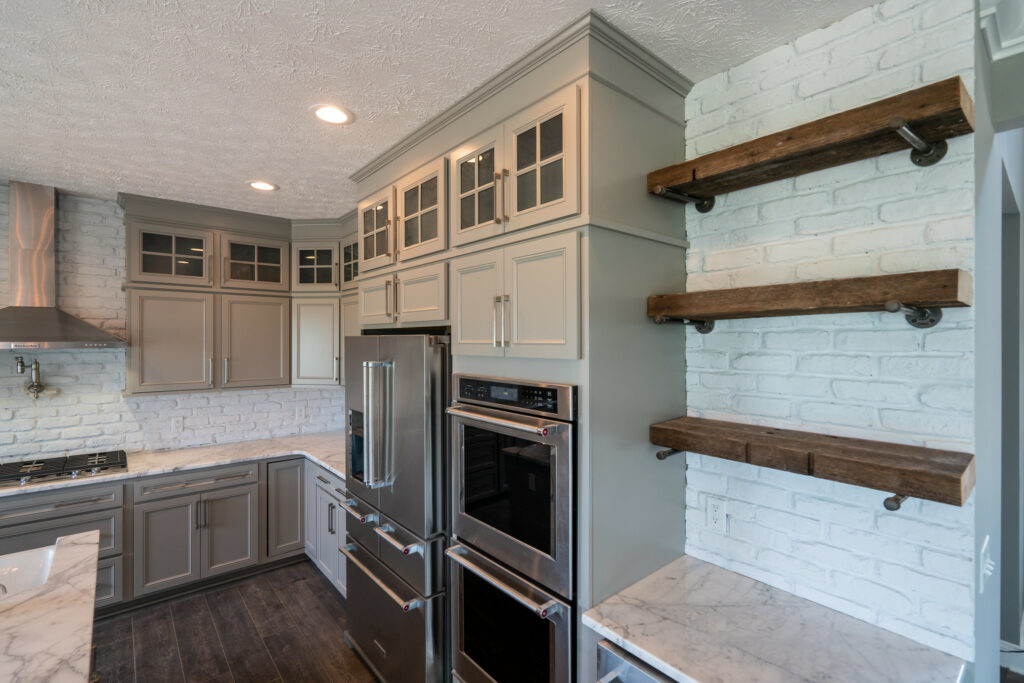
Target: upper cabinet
[(376, 230), (416, 295), (254, 263), (523, 172), (171, 255), (315, 267), (421, 211), (349, 262)]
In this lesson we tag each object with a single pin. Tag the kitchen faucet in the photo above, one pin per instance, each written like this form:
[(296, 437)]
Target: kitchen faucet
[(35, 387)]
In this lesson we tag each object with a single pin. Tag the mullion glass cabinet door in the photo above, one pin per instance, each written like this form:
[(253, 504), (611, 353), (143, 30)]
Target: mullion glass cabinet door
[(475, 198), (169, 254), (543, 174), (253, 263), (375, 230), (421, 209), (349, 262), (315, 266)]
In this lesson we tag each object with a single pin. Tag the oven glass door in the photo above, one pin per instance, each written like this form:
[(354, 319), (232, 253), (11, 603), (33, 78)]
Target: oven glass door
[(513, 478), (504, 628)]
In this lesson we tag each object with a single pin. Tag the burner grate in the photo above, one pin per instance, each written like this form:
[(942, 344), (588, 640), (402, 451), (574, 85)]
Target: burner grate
[(26, 471)]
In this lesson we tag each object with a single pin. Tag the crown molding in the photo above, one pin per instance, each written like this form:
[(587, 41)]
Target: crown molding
[(1002, 23), (590, 25)]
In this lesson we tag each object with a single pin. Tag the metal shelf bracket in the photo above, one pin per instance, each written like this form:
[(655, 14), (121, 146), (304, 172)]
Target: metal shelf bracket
[(924, 153), (703, 204), (893, 502), (917, 316), (702, 326), (667, 453)]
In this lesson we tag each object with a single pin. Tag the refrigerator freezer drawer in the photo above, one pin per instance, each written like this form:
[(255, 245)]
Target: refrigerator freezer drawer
[(419, 563), (361, 522)]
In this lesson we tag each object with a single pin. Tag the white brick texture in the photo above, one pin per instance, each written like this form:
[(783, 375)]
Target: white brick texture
[(868, 374), (85, 409)]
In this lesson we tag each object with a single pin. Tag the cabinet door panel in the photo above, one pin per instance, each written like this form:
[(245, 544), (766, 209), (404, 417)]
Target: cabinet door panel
[(310, 507), (285, 510), (230, 525), (476, 281), (166, 544), (376, 301), (327, 514), (422, 226), (543, 310), (253, 263), (253, 341), (475, 194), (423, 294), (109, 585), (169, 254), (316, 347), (315, 267), (376, 230), (544, 161), (171, 341)]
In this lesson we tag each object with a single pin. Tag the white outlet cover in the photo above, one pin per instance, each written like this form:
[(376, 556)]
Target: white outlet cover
[(716, 514)]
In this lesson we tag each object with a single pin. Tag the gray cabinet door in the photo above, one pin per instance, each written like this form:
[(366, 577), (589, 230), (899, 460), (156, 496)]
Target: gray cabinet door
[(166, 544), (327, 532), (310, 505), (285, 510), (171, 341), (254, 341), (108, 581), (316, 341), (229, 530)]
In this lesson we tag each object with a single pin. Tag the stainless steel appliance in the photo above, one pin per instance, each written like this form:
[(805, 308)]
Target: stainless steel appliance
[(63, 467), (396, 391), (513, 523), (615, 665)]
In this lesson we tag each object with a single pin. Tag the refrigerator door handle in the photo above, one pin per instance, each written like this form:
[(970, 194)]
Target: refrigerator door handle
[(406, 605), (376, 409)]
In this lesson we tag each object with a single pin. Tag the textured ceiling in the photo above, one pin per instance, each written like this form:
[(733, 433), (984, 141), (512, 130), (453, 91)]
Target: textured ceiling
[(191, 99)]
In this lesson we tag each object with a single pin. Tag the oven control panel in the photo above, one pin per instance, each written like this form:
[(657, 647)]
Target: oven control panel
[(534, 397)]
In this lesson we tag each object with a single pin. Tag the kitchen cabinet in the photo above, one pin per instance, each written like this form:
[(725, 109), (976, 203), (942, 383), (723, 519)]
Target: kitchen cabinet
[(325, 518), (315, 267), (169, 254), (254, 338), (349, 323), (253, 263), (414, 295), (181, 539), (171, 341), (519, 301), (376, 230), (422, 220), (523, 172), (316, 341), (349, 262), (285, 507)]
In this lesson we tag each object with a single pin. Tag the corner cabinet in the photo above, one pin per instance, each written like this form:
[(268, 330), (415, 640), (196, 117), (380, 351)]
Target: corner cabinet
[(254, 341), (285, 507), (168, 254), (519, 301), (172, 336), (315, 267), (417, 295), (253, 263), (523, 172), (316, 341)]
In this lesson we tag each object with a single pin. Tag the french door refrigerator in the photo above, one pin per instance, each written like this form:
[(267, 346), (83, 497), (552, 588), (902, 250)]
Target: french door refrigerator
[(396, 391)]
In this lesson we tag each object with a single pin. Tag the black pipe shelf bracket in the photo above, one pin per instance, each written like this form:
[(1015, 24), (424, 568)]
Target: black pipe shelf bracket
[(917, 316), (702, 326), (923, 153), (702, 204)]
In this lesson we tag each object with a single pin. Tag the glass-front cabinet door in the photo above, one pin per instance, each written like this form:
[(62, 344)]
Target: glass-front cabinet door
[(543, 181), (349, 263), (476, 197), (253, 263), (315, 266), (375, 230), (161, 253), (421, 211)]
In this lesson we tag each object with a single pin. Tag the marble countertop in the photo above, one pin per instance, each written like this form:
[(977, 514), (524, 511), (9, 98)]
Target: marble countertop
[(326, 449), (696, 621), (46, 632)]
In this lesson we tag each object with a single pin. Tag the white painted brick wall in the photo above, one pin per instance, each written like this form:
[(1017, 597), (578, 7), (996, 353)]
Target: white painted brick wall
[(868, 375), (87, 411)]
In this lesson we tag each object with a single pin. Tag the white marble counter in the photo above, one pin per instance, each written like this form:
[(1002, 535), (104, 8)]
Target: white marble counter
[(46, 632), (326, 449), (696, 621)]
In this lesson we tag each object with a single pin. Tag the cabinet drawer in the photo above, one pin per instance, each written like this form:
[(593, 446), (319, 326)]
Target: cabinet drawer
[(22, 508), (202, 480), (46, 532), (329, 481), (615, 664), (109, 586)]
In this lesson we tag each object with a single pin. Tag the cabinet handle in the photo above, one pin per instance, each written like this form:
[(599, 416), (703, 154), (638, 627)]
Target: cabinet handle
[(330, 517), (206, 513), (500, 191), (396, 297), (225, 371), (76, 503), (199, 513), (504, 193), (506, 299), (209, 371), (207, 260), (494, 322), (319, 478), (387, 298), (337, 367)]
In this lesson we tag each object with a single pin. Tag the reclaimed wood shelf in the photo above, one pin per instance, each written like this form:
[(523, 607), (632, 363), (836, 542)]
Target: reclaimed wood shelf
[(933, 113), (927, 473), (931, 289)]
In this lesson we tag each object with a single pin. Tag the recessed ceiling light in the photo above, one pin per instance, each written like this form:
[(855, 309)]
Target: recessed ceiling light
[(262, 186), (332, 114)]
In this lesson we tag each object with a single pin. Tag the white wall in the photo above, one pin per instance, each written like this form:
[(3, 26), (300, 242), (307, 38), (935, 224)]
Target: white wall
[(870, 374), (85, 410)]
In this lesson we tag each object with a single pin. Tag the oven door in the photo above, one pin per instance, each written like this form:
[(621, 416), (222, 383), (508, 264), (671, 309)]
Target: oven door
[(504, 628), (512, 484)]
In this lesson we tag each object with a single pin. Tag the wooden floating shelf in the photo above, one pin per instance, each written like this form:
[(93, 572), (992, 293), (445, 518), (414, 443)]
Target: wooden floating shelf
[(927, 473), (929, 289), (934, 113)]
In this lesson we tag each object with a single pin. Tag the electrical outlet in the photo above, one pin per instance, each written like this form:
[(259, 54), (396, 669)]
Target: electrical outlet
[(986, 567), (715, 510)]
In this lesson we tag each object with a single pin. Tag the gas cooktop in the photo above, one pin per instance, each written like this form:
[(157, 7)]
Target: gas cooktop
[(64, 467)]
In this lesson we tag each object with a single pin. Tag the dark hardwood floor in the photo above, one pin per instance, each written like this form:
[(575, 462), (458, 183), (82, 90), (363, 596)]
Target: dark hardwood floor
[(285, 625)]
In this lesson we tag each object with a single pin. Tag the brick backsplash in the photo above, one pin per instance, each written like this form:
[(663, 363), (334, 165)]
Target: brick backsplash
[(85, 409), (868, 374)]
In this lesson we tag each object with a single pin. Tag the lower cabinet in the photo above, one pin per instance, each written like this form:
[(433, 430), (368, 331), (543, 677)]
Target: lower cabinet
[(186, 538), (326, 531), (285, 508)]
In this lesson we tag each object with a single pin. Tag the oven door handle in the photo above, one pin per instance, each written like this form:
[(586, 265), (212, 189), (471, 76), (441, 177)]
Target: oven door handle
[(542, 429), (545, 610), (406, 605)]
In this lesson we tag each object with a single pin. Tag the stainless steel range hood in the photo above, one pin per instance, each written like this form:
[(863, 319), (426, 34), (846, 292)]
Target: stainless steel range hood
[(33, 321)]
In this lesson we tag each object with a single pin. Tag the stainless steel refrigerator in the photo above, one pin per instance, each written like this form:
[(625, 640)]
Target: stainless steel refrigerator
[(396, 391)]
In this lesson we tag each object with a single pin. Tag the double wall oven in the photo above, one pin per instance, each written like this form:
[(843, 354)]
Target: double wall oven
[(511, 558)]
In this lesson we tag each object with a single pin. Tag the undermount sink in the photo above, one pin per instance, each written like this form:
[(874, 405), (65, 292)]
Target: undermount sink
[(23, 571)]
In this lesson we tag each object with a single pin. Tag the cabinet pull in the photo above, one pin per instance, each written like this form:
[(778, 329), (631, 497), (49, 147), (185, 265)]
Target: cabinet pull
[(244, 475), (206, 514), (209, 371), (319, 478), (198, 514), (494, 322), (206, 264), (396, 298), (387, 298), (330, 517), (337, 367), (225, 371), (88, 501), (504, 193), (505, 299), (501, 198)]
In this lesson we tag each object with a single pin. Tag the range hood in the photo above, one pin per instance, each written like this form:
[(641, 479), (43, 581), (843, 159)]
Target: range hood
[(32, 320)]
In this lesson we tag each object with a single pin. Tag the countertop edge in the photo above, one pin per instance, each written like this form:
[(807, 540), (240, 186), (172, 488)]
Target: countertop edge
[(635, 650)]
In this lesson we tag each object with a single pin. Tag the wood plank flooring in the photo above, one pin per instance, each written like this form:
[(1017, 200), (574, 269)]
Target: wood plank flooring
[(285, 625)]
